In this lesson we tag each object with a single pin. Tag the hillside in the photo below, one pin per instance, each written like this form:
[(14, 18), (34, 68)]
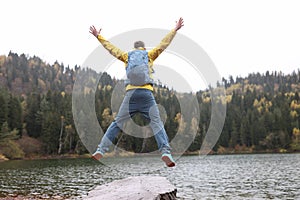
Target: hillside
[(263, 111)]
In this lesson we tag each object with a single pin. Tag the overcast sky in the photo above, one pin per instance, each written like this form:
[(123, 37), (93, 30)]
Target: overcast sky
[(239, 36)]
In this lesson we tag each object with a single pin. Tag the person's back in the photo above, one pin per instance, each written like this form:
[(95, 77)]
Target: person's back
[(137, 69), (139, 83)]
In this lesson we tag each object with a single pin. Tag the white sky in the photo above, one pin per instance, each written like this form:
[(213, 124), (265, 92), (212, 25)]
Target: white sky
[(240, 36)]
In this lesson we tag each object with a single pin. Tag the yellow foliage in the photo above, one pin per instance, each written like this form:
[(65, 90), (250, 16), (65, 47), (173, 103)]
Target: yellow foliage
[(180, 120), (205, 94), (87, 90), (108, 87), (294, 113), (41, 84), (296, 139), (107, 117), (282, 150), (256, 103), (178, 117), (225, 99), (206, 100), (68, 126), (289, 94), (296, 132), (294, 105), (194, 125), (233, 87), (2, 157), (253, 87), (2, 60), (263, 104), (228, 98), (56, 67), (106, 112), (295, 86), (260, 108), (12, 150), (24, 105)]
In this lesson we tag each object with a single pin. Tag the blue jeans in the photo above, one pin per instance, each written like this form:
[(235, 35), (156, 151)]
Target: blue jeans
[(137, 101)]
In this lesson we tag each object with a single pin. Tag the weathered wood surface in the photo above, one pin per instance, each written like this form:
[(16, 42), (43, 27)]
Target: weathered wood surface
[(135, 188)]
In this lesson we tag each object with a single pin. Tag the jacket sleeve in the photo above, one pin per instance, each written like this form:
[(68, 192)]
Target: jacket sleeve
[(113, 50), (155, 52)]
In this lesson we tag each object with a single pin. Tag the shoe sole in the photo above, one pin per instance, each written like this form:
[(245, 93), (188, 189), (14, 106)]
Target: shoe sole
[(94, 157), (168, 161)]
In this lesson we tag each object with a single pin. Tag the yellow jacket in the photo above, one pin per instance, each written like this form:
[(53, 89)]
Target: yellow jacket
[(152, 54)]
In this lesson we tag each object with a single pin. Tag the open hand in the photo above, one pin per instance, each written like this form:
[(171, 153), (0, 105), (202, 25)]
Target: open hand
[(179, 24), (94, 31)]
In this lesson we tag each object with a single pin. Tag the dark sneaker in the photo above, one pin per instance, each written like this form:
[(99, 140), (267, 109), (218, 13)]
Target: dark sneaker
[(167, 158), (97, 155)]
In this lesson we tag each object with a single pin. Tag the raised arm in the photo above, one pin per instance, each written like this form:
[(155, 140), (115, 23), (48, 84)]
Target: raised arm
[(179, 24), (155, 52), (113, 50)]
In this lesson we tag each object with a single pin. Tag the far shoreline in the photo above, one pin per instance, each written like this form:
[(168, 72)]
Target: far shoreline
[(132, 154)]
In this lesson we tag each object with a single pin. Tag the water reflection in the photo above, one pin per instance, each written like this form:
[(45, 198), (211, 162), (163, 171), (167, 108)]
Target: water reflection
[(210, 177)]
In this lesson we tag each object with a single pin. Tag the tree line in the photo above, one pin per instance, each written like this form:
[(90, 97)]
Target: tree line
[(36, 111)]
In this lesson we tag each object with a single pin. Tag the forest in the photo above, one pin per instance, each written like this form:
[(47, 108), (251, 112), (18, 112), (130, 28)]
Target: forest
[(36, 119)]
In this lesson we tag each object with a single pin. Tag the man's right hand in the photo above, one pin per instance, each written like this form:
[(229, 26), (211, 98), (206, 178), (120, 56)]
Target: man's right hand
[(94, 31), (179, 24)]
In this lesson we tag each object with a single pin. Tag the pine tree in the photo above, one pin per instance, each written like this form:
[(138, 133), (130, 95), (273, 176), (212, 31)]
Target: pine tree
[(3, 110), (33, 123), (6, 134), (15, 114), (235, 136)]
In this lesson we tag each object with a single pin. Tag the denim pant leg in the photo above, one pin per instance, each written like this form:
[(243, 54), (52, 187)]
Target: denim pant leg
[(114, 129), (140, 100), (150, 111)]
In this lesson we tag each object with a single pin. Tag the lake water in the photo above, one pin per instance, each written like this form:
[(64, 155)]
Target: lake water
[(256, 176)]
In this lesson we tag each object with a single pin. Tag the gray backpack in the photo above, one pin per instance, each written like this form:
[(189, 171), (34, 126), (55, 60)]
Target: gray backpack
[(137, 69)]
